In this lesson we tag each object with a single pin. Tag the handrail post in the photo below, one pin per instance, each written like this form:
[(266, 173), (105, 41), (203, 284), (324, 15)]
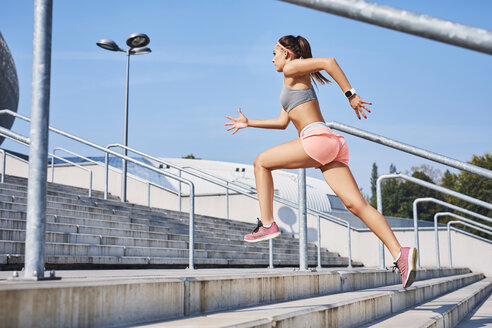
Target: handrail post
[(436, 231), (90, 183), (179, 191), (303, 260), (4, 156), (349, 246), (270, 254), (106, 181), (227, 200), (449, 245), (319, 242), (52, 168), (416, 232), (191, 264), (379, 200), (148, 194)]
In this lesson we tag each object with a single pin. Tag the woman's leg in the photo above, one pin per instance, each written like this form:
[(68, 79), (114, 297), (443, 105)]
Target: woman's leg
[(289, 155), (341, 181)]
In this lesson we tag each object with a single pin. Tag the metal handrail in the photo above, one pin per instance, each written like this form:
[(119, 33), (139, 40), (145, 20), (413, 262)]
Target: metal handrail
[(93, 145), (101, 164), (438, 259), (449, 236), (53, 156), (411, 149), (4, 162), (448, 205), (415, 218), (248, 194)]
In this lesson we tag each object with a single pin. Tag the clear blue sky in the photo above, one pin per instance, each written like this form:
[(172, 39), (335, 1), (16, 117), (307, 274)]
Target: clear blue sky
[(210, 57)]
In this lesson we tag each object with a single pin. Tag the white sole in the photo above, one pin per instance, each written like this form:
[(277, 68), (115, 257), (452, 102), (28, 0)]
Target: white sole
[(267, 237)]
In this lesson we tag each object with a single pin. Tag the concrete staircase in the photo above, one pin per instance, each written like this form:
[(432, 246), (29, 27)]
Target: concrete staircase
[(233, 288), (83, 232)]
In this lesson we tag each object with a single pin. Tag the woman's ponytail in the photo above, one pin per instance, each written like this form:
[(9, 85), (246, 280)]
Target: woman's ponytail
[(300, 46), (305, 52)]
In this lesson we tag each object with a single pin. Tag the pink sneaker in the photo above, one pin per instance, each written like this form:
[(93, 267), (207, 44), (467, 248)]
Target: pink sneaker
[(261, 233), (407, 265)]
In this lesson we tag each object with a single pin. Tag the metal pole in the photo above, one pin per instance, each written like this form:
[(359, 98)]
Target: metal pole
[(416, 232), (449, 245), (405, 21), (125, 135), (179, 190), (436, 232), (148, 194), (227, 200), (270, 254), (350, 246), (379, 200), (319, 242), (106, 180), (303, 263), (191, 264), (4, 156), (38, 151)]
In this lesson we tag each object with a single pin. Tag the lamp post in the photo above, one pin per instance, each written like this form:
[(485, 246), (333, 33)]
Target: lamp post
[(137, 43)]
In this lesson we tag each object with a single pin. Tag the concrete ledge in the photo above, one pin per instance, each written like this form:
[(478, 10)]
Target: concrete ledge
[(349, 309), (88, 302)]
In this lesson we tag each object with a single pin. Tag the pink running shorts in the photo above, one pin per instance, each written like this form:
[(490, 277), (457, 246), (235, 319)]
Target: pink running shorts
[(323, 145)]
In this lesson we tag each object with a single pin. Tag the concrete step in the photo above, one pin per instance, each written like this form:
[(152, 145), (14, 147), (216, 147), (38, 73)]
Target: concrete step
[(480, 316), (65, 249), (94, 239), (349, 309), (14, 230), (444, 311), (125, 297), (16, 262), (57, 189)]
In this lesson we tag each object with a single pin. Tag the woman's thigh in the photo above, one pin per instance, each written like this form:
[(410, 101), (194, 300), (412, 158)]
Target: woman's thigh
[(289, 155), (341, 181)]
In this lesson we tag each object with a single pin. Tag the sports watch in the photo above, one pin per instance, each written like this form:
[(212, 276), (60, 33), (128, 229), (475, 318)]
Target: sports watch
[(350, 93)]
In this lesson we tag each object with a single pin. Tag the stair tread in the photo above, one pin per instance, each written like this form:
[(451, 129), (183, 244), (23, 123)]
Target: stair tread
[(424, 315)]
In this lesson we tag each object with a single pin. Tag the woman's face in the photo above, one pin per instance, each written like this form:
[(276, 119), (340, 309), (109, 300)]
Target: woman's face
[(279, 58)]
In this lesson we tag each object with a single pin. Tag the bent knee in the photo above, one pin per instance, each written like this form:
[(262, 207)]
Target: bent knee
[(356, 206), (260, 162)]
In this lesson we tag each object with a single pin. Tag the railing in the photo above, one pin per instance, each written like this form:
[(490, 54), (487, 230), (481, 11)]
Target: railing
[(231, 186), (449, 236), (53, 156), (22, 139), (415, 218), (4, 155), (457, 217)]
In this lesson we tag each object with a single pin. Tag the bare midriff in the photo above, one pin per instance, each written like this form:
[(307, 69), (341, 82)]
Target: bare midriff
[(306, 113)]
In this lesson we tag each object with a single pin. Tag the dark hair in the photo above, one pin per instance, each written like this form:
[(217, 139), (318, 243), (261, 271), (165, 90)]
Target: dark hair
[(300, 46)]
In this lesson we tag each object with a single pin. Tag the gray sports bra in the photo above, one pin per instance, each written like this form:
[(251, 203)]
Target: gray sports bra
[(291, 98)]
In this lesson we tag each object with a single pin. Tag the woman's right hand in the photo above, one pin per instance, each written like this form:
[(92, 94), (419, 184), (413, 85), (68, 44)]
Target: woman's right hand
[(237, 123)]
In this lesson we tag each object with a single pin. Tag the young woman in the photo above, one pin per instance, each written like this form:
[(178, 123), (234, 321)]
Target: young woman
[(317, 146)]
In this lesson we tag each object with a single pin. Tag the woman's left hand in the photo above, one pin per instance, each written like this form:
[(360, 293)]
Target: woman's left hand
[(358, 105)]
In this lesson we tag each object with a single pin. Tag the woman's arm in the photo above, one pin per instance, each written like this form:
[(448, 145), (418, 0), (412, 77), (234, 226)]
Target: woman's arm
[(280, 122), (329, 64)]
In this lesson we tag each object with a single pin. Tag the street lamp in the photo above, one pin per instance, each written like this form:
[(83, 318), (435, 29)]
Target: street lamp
[(137, 43)]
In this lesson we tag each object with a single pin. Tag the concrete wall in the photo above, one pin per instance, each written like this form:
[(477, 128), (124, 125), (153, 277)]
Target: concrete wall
[(467, 251)]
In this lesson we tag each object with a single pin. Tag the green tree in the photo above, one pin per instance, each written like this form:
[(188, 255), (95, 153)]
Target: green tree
[(374, 179)]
